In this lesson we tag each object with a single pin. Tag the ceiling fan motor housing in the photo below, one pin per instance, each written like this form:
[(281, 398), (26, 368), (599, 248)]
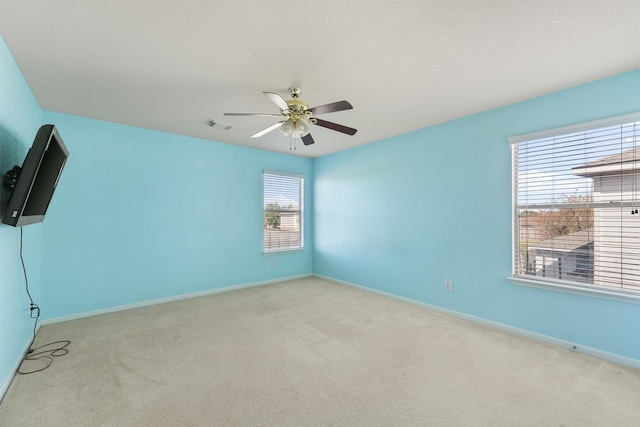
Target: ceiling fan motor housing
[(297, 115), (297, 109)]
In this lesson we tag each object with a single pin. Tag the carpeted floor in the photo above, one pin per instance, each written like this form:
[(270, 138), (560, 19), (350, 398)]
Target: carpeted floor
[(310, 352)]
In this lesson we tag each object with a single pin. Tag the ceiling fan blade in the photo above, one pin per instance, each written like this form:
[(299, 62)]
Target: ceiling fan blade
[(267, 130), (278, 100), (307, 139), (330, 108), (253, 114), (336, 127)]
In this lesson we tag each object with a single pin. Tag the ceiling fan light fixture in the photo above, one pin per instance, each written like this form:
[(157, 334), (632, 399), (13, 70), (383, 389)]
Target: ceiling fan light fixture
[(302, 128), (287, 127), (294, 128)]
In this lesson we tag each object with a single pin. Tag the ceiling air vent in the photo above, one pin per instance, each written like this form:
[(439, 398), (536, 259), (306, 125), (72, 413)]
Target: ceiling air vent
[(212, 124)]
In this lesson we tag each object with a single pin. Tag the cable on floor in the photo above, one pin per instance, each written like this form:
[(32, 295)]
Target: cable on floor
[(46, 352)]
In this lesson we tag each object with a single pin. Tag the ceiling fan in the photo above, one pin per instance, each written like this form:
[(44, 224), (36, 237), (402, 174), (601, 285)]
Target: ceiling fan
[(297, 116)]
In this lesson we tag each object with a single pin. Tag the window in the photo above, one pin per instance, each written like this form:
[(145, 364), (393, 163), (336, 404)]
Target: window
[(575, 196), (283, 212)]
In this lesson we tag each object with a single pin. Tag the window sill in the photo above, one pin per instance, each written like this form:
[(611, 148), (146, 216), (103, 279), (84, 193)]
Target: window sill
[(281, 251), (592, 291)]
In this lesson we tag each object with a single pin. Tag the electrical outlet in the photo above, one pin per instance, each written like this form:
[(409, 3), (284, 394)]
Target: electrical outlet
[(448, 285), (273, 264)]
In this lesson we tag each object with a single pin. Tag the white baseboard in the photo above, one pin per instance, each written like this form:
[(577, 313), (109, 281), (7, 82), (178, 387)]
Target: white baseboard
[(165, 300), (7, 382), (590, 351)]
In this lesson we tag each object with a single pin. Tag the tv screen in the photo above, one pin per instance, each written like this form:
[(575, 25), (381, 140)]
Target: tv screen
[(33, 184)]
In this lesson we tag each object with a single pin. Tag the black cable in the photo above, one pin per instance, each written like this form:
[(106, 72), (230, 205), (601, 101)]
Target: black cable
[(32, 305), (37, 353)]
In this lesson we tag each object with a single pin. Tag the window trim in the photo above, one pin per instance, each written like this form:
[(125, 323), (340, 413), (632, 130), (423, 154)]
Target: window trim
[(573, 288), (557, 284), (302, 221), (577, 127)]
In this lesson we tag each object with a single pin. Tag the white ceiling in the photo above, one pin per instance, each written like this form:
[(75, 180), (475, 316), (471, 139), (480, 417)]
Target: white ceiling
[(171, 65)]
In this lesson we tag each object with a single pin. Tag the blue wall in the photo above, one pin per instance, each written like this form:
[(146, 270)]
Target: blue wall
[(141, 215), (405, 214), (20, 117)]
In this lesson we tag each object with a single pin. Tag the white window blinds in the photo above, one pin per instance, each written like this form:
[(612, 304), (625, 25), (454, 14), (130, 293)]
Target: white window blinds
[(576, 205), (283, 211)]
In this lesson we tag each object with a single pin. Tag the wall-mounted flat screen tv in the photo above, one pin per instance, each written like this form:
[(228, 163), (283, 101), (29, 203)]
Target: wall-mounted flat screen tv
[(32, 186)]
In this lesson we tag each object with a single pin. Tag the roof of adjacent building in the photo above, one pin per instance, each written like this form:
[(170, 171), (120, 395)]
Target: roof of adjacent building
[(567, 243), (626, 161)]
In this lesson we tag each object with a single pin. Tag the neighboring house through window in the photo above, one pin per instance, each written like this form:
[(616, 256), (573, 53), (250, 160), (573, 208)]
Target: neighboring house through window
[(283, 212), (575, 218)]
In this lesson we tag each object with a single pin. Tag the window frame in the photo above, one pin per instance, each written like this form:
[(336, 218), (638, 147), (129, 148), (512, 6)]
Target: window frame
[(554, 284), (300, 210)]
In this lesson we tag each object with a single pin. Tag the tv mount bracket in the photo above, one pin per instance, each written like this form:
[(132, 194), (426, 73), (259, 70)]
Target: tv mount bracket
[(11, 177)]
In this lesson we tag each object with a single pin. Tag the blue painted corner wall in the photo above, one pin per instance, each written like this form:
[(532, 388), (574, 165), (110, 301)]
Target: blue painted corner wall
[(143, 215), (138, 215), (20, 118), (404, 215)]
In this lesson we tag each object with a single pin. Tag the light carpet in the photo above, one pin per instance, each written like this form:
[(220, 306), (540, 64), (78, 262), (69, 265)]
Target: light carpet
[(311, 352)]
